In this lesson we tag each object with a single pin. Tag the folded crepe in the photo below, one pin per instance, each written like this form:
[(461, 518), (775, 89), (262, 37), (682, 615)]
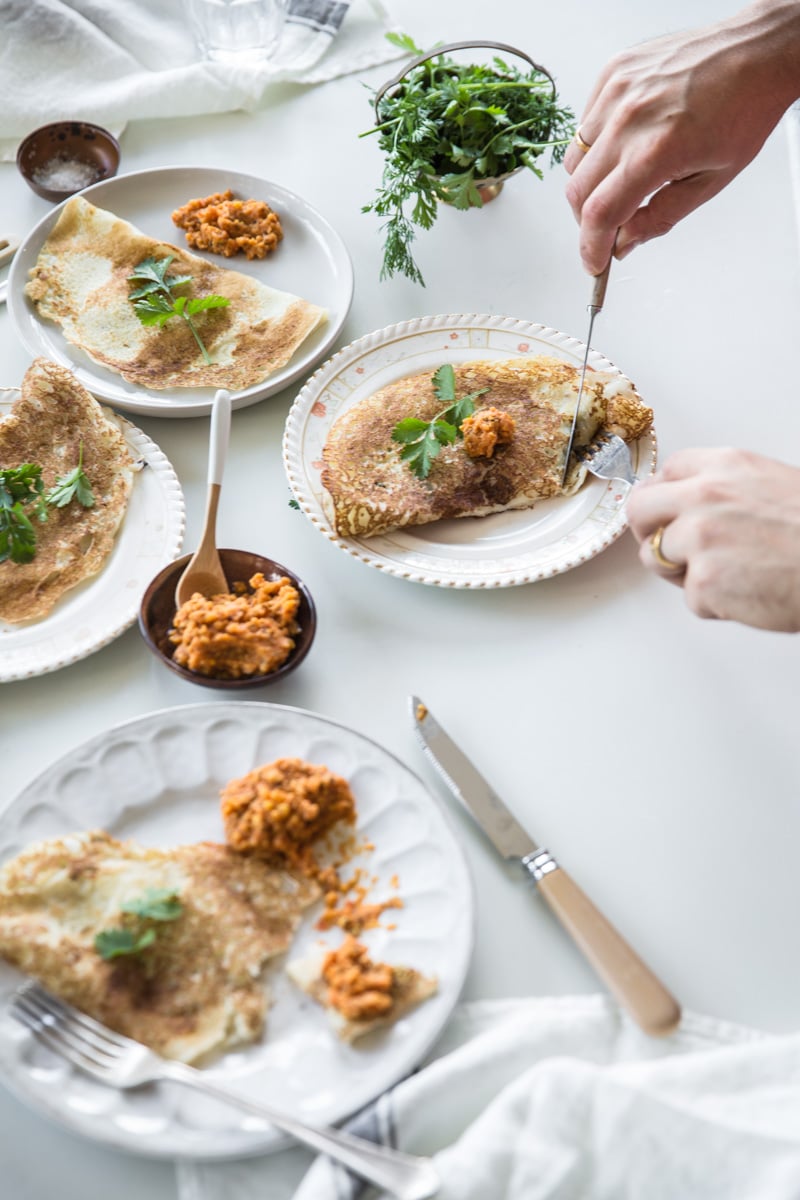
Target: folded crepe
[(54, 422), (198, 986), (81, 282), (373, 490)]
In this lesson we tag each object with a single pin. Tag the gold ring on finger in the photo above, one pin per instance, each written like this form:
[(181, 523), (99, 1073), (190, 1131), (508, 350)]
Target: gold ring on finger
[(581, 142), (665, 563)]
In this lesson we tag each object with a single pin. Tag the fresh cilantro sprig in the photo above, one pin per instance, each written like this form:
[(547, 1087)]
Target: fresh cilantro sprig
[(423, 440), (447, 126), (155, 302), (21, 488), (155, 904), (74, 485)]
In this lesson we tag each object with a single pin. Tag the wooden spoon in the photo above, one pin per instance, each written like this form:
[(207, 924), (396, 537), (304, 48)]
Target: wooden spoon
[(204, 573)]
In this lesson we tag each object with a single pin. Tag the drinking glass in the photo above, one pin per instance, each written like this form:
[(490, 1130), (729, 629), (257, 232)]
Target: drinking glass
[(236, 31)]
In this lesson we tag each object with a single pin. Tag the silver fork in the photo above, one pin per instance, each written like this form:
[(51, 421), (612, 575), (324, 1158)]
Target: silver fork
[(123, 1063), (608, 457)]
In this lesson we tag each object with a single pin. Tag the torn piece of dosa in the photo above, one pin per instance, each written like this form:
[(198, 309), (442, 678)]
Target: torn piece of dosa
[(81, 282), (374, 491), (198, 988), (51, 424), (359, 995)]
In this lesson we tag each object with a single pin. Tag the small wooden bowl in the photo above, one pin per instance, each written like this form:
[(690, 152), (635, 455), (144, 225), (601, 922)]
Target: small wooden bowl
[(157, 611), (90, 146)]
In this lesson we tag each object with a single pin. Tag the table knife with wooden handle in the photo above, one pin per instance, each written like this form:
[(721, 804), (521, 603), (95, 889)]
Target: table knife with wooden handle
[(618, 965)]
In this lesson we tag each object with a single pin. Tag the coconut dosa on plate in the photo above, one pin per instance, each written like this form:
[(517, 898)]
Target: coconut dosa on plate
[(53, 416), (81, 282), (374, 491), (197, 988)]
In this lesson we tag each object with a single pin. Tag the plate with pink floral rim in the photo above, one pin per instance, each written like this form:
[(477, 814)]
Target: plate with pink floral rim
[(501, 550)]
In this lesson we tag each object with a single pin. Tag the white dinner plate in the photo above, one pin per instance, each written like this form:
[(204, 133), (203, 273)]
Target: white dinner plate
[(101, 608), (157, 780), (500, 550), (311, 261)]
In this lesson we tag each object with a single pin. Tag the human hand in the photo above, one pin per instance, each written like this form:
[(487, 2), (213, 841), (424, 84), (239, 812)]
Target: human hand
[(731, 526), (675, 120)]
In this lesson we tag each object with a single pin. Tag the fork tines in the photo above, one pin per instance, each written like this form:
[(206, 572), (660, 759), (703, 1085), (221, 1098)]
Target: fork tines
[(62, 1028), (603, 438)]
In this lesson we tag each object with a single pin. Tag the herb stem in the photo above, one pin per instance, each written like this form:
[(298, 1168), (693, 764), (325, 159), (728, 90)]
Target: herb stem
[(533, 85), (196, 337)]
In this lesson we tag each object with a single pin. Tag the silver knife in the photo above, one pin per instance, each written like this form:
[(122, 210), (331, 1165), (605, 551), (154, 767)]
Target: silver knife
[(634, 985), (595, 305)]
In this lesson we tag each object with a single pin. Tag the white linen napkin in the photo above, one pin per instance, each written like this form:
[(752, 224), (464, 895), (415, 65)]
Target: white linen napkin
[(565, 1099), (113, 63)]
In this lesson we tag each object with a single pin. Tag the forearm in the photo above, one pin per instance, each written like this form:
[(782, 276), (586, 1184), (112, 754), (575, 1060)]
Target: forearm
[(764, 39)]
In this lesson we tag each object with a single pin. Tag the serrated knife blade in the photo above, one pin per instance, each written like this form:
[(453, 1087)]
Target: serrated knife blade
[(633, 984)]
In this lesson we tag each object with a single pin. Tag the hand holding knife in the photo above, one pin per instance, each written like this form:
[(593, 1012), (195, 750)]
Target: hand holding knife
[(632, 983)]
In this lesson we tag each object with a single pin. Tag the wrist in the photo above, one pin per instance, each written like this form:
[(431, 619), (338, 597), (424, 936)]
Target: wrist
[(767, 34)]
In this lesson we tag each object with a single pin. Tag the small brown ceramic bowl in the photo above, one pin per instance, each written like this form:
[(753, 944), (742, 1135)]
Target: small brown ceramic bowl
[(58, 160), (158, 610)]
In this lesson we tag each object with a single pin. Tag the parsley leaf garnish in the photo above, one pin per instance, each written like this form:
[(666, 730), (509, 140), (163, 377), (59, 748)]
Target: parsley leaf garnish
[(74, 485), (449, 125), (155, 904), (20, 488), (113, 943), (155, 302), (159, 904), (22, 491), (423, 440)]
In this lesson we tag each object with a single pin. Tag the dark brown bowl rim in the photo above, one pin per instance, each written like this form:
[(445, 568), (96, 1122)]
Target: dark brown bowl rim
[(308, 629), (44, 130)]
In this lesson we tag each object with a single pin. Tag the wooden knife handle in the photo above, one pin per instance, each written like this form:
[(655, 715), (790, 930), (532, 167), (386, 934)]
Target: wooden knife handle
[(599, 285), (633, 984)]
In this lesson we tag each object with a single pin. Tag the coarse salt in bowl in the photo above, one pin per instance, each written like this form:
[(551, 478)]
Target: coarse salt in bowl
[(60, 159)]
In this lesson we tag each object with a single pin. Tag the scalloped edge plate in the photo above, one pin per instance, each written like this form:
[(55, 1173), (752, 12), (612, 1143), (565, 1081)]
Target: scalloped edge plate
[(98, 610), (157, 779), (501, 550)]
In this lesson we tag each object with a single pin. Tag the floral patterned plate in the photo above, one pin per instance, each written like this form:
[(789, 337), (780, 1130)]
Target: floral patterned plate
[(500, 550)]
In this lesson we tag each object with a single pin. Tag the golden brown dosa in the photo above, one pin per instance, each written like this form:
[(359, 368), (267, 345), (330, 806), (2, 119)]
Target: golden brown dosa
[(47, 425), (374, 491), (81, 281), (198, 988)]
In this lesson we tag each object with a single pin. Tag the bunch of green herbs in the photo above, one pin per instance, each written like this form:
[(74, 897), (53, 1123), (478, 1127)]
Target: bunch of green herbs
[(446, 127)]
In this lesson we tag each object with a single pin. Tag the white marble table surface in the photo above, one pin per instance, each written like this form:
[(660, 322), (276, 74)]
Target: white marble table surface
[(655, 753)]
